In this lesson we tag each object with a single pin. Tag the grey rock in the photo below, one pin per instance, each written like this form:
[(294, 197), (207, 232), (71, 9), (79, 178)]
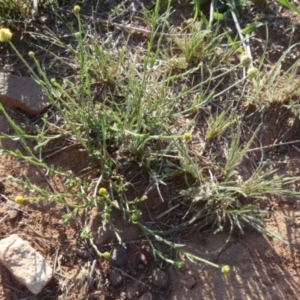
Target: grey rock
[(115, 277), (24, 263), (23, 93), (141, 260), (118, 256), (147, 296), (160, 278), (100, 235), (188, 281), (103, 236), (132, 292)]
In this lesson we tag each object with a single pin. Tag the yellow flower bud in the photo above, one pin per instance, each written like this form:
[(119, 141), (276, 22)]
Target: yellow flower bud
[(76, 8), (5, 34), (31, 54), (106, 255), (103, 191), (187, 136), (19, 200), (225, 269)]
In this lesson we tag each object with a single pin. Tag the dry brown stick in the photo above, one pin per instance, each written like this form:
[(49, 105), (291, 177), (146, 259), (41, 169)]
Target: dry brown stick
[(134, 29), (62, 149), (272, 146)]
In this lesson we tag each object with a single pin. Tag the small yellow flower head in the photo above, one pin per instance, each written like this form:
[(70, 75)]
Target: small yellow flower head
[(106, 255), (252, 72), (245, 60), (187, 136), (19, 199), (76, 8), (225, 269), (5, 34), (31, 54), (103, 191)]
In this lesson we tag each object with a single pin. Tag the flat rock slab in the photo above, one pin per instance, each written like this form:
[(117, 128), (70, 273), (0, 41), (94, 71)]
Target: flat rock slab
[(23, 93), (24, 263)]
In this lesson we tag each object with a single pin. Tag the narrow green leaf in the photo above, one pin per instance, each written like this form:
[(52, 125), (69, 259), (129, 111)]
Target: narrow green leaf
[(252, 27), (218, 16), (289, 5)]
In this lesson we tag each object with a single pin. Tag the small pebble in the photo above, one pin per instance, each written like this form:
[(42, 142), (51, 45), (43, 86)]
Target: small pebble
[(118, 256), (160, 278), (141, 259), (188, 281), (115, 277), (147, 296), (132, 292)]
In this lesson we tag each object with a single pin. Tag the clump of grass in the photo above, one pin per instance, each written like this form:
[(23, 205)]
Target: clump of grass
[(277, 87), (12, 10), (151, 119), (16, 10)]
